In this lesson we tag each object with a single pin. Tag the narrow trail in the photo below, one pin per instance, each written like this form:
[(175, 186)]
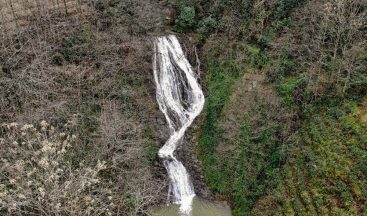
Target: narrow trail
[(181, 99)]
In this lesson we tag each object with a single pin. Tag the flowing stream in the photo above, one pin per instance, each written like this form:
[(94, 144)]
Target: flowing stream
[(181, 99)]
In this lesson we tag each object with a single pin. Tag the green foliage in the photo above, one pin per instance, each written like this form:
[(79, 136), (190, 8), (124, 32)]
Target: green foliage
[(282, 11), (319, 73), (152, 153), (258, 58), (326, 155), (282, 68), (329, 165), (219, 87), (248, 171), (288, 89), (207, 25), (251, 169), (220, 78), (257, 164), (71, 49), (242, 8), (186, 20), (72, 41), (152, 150), (358, 88)]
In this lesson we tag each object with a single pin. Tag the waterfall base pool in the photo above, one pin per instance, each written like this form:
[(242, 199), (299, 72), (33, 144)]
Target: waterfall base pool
[(200, 207)]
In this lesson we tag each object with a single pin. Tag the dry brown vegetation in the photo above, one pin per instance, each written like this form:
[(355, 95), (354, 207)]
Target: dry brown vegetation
[(332, 45), (38, 180), (16, 14), (92, 66)]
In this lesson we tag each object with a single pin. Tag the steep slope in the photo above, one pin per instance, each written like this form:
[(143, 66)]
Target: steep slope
[(88, 75), (297, 146)]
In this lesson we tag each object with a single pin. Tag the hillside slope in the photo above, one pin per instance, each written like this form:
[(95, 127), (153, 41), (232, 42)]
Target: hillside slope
[(284, 131), (78, 111)]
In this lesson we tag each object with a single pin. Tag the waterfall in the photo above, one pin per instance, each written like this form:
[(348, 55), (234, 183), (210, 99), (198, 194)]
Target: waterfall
[(181, 99)]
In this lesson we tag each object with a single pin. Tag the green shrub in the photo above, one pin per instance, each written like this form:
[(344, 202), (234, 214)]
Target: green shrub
[(71, 49), (152, 153), (58, 59), (207, 25), (288, 88), (249, 170), (283, 10), (152, 150), (282, 68), (186, 20), (257, 57), (71, 41)]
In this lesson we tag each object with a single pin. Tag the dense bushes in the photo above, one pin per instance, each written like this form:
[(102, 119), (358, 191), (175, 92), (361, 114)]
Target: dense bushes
[(239, 142), (329, 163), (207, 25), (220, 78), (308, 160), (240, 19), (186, 19), (282, 11)]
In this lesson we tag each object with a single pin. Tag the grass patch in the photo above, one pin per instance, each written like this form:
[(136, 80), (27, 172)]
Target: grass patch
[(327, 170), (245, 173), (151, 150)]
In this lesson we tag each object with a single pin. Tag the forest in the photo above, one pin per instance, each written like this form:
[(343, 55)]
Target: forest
[(283, 130)]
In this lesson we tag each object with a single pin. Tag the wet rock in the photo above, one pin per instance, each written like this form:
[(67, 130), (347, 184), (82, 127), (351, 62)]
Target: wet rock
[(186, 154)]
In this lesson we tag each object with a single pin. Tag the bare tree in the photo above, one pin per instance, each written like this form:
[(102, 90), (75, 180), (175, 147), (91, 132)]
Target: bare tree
[(333, 43)]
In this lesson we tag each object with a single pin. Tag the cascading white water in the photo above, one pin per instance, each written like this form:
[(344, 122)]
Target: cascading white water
[(181, 99)]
